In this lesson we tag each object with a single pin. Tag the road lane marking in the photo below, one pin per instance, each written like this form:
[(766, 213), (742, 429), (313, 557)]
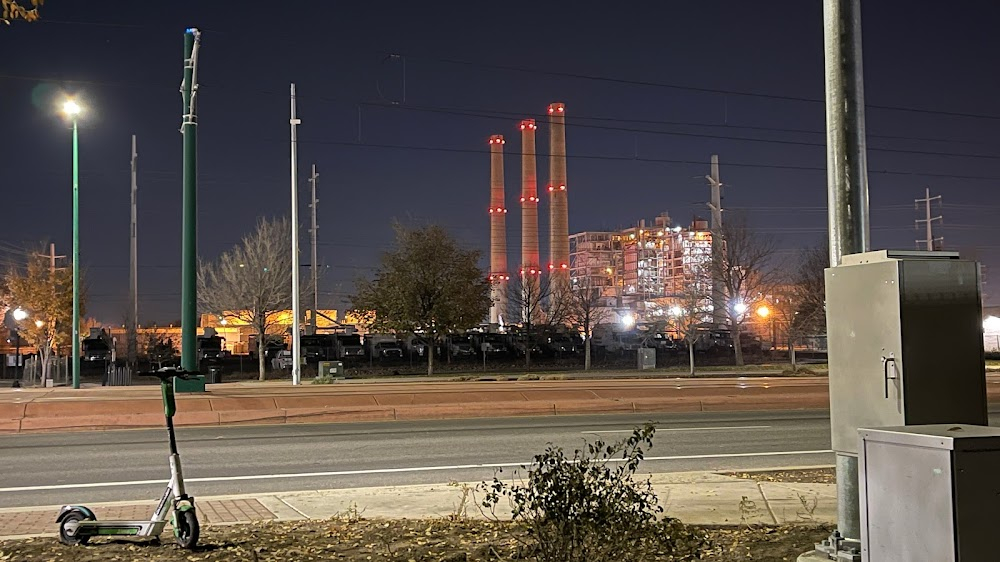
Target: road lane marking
[(659, 429), (381, 471)]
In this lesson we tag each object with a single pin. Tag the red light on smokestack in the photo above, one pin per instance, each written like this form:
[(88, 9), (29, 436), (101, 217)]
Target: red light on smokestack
[(556, 108), (562, 188), (496, 139)]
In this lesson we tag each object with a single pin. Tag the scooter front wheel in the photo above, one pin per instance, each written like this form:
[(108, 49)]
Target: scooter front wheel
[(186, 529), (74, 537)]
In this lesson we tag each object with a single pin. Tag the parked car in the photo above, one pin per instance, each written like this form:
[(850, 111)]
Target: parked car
[(388, 350), (559, 344), (460, 345), (283, 360)]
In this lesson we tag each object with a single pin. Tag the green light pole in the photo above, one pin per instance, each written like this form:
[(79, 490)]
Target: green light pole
[(189, 243), (72, 109)]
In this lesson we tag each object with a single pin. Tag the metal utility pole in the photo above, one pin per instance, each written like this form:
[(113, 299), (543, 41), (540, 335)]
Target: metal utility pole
[(715, 205), (313, 267), (296, 314), (75, 347), (847, 186), (929, 220), (189, 246), (133, 281)]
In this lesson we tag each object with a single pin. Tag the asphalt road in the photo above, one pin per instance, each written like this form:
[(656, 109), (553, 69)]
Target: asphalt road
[(50, 469)]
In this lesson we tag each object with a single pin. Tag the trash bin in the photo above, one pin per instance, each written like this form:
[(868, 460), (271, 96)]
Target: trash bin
[(194, 384), (213, 374), (333, 369)]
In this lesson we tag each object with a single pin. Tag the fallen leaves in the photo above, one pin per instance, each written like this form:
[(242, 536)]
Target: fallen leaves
[(382, 540)]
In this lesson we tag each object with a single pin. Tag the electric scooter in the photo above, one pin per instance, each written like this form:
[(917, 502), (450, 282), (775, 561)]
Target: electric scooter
[(78, 523)]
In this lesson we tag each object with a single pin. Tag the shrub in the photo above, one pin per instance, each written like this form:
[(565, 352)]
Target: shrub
[(589, 508)]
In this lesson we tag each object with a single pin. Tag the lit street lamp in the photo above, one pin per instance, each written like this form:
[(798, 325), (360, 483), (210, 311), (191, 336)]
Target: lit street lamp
[(19, 315), (72, 110)]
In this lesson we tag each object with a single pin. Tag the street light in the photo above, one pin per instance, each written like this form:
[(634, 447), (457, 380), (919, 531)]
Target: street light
[(763, 311), (72, 110), (740, 307), (19, 315), (676, 310)]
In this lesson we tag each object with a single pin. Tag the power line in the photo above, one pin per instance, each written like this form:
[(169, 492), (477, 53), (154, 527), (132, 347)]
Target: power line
[(683, 87)]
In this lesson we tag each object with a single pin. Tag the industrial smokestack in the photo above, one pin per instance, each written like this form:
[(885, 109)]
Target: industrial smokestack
[(498, 232), (558, 204), (530, 259)]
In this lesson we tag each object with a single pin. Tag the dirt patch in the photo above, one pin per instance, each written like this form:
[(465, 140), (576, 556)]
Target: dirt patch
[(392, 541), (764, 544), (807, 476)]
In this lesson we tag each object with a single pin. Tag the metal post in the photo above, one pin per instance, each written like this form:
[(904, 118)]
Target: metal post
[(847, 185), (315, 253), (133, 316), (715, 205), (189, 257), (296, 341), (76, 258)]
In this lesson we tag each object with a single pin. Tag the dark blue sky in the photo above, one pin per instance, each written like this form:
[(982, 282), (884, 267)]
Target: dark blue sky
[(125, 59)]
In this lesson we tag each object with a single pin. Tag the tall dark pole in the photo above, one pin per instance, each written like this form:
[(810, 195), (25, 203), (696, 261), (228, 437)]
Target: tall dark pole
[(189, 257), (133, 273), (847, 186), (75, 347)]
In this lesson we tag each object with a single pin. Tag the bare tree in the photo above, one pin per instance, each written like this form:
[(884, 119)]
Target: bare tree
[(540, 307), (805, 311), (691, 310), (745, 271), (158, 347), (251, 282), (46, 295), (587, 311), (428, 285)]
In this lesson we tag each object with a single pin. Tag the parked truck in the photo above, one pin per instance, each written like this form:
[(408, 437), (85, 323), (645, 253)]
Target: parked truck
[(211, 346), (98, 347)]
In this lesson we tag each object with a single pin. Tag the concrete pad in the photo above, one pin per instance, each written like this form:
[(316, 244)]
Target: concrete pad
[(692, 478), (483, 410), (90, 423), (242, 404), (719, 503), (196, 418), (251, 416), (11, 410), (10, 426), (323, 415), (324, 401), (667, 405), (281, 510), (410, 502), (801, 502), (557, 395), (71, 408), (563, 407)]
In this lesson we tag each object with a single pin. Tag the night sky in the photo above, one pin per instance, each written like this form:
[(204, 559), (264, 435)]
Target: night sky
[(472, 72)]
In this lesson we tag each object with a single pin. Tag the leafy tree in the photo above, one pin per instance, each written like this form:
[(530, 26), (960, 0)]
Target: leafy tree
[(46, 294), (427, 285), (10, 10), (252, 281), (745, 273), (587, 311)]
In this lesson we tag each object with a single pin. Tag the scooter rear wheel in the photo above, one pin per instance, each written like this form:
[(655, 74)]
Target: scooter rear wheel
[(72, 540), (186, 530)]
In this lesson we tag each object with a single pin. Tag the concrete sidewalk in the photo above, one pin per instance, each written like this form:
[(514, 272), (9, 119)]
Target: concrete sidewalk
[(706, 498), (62, 409)]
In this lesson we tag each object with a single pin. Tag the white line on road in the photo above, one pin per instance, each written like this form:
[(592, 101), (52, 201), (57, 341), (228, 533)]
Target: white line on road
[(659, 429), (379, 471)]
